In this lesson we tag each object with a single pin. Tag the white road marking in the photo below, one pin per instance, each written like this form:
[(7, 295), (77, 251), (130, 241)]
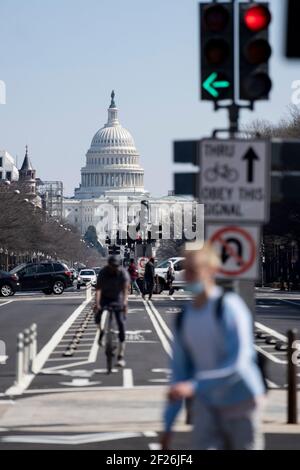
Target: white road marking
[(271, 384), (2, 304), (81, 382), (159, 331), (79, 439), (269, 356), (60, 359), (95, 348), (159, 380), (271, 332), (35, 299), (163, 324), (43, 391), (155, 446), (127, 378), (295, 303)]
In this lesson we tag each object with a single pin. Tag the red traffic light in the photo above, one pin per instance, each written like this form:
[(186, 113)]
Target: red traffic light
[(216, 18), (257, 18)]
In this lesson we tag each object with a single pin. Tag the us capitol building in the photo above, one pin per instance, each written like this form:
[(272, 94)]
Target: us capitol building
[(112, 171)]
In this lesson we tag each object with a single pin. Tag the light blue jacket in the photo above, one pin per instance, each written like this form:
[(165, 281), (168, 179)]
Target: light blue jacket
[(233, 375)]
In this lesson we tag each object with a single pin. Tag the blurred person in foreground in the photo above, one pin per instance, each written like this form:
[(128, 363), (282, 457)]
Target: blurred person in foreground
[(215, 364)]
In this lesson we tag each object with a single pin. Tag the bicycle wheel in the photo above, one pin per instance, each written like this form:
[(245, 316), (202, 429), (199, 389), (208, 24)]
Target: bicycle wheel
[(233, 175)]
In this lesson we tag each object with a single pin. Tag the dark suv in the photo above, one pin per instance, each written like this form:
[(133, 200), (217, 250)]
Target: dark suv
[(48, 277)]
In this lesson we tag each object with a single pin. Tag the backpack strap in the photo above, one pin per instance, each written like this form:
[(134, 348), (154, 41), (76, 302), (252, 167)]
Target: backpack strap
[(219, 312), (220, 306)]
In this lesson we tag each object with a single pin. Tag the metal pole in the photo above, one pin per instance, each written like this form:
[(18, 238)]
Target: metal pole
[(292, 377), (20, 358)]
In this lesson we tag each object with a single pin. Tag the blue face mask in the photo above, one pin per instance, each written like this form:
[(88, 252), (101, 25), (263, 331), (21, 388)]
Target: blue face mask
[(196, 288)]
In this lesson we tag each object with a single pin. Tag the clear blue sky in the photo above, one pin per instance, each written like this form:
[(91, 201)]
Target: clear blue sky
[(60, 60)]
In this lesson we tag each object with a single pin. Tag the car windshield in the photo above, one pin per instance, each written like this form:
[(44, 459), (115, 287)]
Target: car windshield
[(87, 273), (18, 268), (163, 264)]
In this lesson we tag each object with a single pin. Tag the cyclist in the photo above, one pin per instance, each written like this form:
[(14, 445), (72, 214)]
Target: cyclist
[(112, 291)]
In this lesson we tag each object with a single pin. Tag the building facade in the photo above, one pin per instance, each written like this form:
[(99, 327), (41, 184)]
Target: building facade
[(112, 162), (8, 168), (112, 175)]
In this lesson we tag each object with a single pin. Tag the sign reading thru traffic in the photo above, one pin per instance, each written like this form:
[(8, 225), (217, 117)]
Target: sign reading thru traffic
[(234, 180)]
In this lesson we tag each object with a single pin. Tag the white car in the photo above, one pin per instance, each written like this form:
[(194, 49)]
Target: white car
[(161, 273), (86, 276)]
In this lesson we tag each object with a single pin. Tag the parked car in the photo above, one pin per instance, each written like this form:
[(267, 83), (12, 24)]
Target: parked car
[(74, 274), (97, 270), (86, 276), (48, 277), (161, 273), (9, 284)]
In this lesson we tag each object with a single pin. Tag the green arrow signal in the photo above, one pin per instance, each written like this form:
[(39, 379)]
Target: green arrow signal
[(211, 84)]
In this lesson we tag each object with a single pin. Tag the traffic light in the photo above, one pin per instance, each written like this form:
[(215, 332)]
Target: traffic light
[(217, 55), (255, 51), (114, 250)]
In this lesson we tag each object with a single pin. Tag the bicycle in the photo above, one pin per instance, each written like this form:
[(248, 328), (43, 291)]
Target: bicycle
[(221, 171)]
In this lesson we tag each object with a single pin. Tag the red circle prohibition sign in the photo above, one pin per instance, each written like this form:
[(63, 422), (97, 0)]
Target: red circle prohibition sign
[(245, 265)]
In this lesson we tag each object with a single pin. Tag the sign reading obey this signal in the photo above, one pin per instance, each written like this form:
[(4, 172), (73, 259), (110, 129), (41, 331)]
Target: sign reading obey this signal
[(234, 180), (237, 248)]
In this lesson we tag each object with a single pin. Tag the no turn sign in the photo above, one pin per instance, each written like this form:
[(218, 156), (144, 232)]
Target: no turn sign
[(237, 248)]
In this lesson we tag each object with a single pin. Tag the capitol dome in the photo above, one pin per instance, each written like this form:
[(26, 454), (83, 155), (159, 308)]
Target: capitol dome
[(112, 162)]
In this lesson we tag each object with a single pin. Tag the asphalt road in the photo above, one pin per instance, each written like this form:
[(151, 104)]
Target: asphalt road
[(148, 350), (149, 339), (20, 312)]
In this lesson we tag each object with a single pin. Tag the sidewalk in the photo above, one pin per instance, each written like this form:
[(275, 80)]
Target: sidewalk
[(132, 410)]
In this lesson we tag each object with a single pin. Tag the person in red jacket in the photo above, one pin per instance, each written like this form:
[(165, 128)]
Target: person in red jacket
[(133, 273)]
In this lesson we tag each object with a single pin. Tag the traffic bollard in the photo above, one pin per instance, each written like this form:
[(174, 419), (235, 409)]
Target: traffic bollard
[(88, 292), (292, 359), (20, 358), (26, 351), (32, 345)]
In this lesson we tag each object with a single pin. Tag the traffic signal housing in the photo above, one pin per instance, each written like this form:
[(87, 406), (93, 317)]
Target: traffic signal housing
[(217, 55), (293, 30), (255, 51)]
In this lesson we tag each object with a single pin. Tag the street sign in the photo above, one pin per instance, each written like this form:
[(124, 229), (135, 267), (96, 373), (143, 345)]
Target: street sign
[(237, 247), (235, 180), (186, 151)]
